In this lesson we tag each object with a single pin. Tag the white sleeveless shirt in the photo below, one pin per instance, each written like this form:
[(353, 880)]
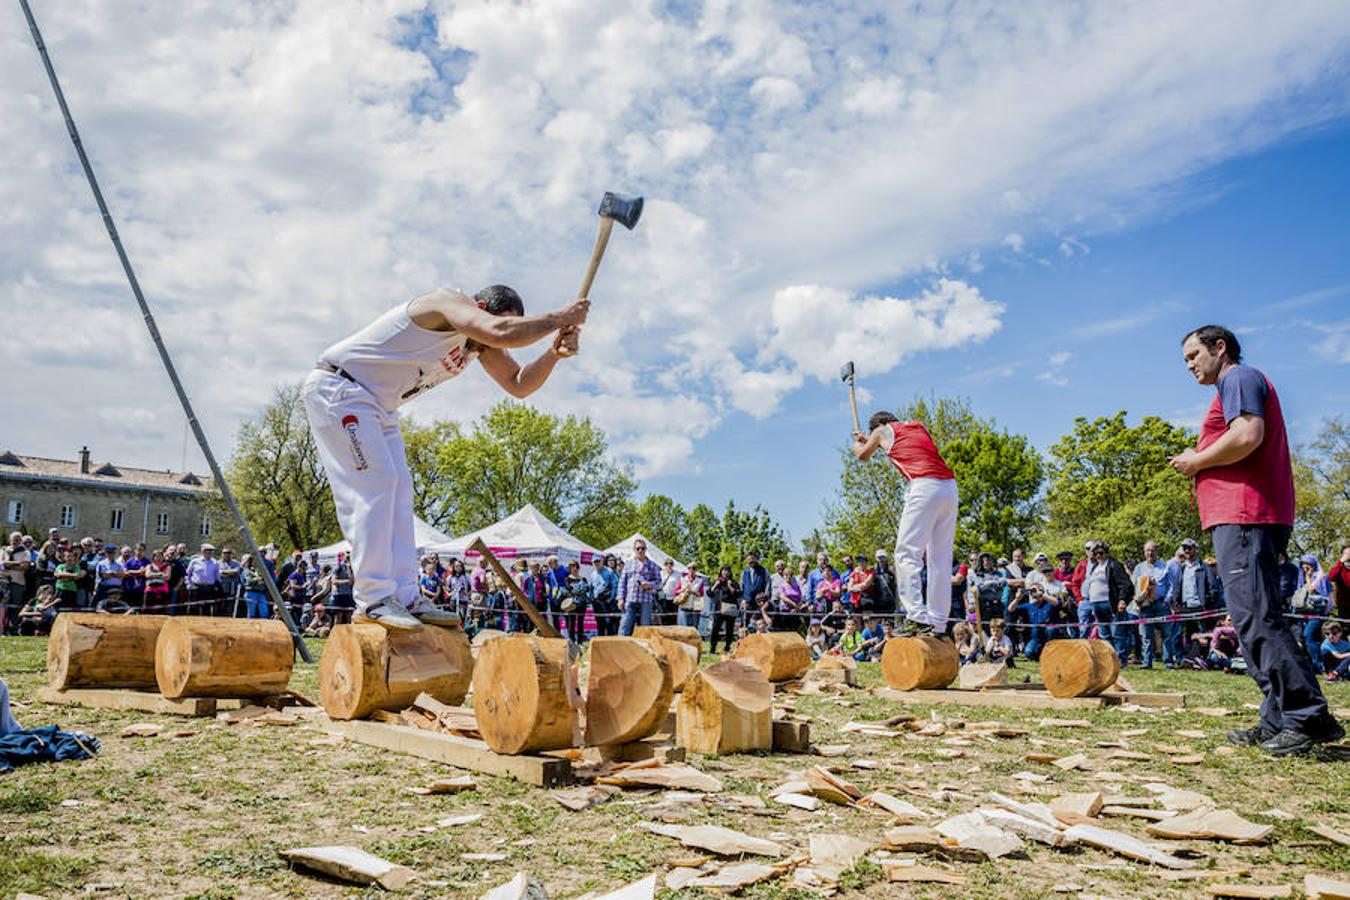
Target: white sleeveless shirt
[(395, 359)]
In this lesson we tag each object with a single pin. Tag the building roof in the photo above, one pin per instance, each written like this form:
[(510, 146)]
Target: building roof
[(105, 475)]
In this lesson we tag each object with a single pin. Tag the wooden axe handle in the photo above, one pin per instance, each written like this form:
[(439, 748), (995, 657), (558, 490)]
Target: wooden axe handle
[(853, 398), (597, 254), (545, 629)]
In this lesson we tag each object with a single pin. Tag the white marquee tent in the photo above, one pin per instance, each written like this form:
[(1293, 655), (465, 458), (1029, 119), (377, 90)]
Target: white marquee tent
[(624, 550), (525, 534), (423, 534)]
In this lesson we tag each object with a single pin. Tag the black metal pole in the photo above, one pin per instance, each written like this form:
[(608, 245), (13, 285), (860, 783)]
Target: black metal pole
[(158, 340)]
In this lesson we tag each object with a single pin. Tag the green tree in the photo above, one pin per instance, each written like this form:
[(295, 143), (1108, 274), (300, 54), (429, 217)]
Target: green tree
[(754, 529), (1322, 487), (998, 474), (433, 495), (277, 477), (514, 455), (1110, 480), (663, 521), (703, 545)]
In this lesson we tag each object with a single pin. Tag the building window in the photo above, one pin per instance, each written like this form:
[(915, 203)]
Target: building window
[(116, 521), (205, 529), (162, 523), (68, 515), (14, 514)]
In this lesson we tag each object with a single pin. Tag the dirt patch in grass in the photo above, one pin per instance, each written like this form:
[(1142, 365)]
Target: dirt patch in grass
[(204, 816)]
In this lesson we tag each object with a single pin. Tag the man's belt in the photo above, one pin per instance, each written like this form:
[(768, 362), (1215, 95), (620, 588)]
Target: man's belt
[(336, 370)]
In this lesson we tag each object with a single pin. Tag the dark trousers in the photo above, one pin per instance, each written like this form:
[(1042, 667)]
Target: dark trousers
[(1246, 555), (722, 624)]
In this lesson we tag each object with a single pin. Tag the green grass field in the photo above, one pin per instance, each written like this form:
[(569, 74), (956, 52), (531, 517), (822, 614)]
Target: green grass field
[(204, 816)]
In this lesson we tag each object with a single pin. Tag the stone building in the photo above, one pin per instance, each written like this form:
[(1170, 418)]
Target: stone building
[(112, 502)]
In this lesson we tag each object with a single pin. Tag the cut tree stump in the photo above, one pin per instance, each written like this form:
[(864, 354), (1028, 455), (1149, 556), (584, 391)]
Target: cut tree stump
[(1078, 668), (980, 675), (680, 646), (628, 690), (95, 650), (525, 694), (726, 708), (780, 655), (790, 736), (921, 663), (368, 667), (201, 657)]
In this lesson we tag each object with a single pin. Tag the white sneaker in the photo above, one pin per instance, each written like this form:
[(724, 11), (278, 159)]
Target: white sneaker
[(389, 614), (429, 614)]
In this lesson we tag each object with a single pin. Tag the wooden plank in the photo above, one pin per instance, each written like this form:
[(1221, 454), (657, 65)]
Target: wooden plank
[(1146, 698), (1009, 699), (462, 752), (793, 737), (128, 701)]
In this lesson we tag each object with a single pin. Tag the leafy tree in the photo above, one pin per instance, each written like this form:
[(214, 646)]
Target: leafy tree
[(751, 530), (703, 544), (1111, 481), (277, 477), (663, 521), (514, 455), (998, 474), (1322, 486)]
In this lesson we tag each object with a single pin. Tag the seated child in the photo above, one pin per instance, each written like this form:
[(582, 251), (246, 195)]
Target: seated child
[(815, 639), (1335, 652), (998, 648), (967, 645)]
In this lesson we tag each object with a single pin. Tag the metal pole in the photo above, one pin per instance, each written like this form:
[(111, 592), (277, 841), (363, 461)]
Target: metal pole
[(159, 341)]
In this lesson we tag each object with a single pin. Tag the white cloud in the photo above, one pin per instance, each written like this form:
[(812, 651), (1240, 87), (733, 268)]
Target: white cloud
[(1335, 344), (284, 172), (1053, 373), (1060, 358)]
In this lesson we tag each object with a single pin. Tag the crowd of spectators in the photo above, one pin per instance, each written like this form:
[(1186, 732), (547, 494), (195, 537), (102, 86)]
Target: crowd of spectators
[(1168, 610)]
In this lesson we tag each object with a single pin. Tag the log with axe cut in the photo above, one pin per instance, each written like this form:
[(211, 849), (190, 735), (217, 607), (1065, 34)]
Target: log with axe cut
[(613, 208)]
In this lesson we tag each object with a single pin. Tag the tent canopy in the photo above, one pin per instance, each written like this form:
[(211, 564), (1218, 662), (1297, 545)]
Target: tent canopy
[(624, 550), (423, 535), (525, 534)]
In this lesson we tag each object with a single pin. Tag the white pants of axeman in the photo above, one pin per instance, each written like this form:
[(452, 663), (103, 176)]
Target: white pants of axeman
[(361, 448), (927, 532)]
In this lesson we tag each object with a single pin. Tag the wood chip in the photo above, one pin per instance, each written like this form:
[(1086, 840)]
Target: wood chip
[(1025, 826), (714, 838), (833, 854), (522, 887), (1033, 777), (734, 877), (1192, 759), (1074, 808), (827, 786), (1064, 723), (905, 813), (1124, 845), (1071, 762), (643, 889), (142, 729), (445, 786), (1137, 812), (1331, 834), (350, 864), (1211, 824), (1257, 891), (831, 749), (1320, 886), (807, 802), (456, 821), (1176, 799), (584, 797), (971, 832), (1128, 754), (913, 872), (670, 775)]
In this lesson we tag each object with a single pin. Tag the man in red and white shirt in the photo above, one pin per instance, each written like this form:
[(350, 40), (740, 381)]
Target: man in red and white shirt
[(1244, 487), (927, 524)]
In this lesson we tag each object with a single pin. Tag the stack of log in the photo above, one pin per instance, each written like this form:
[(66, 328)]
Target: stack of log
[(919, 663), (1079, 668), (779, 655), (366, 668)]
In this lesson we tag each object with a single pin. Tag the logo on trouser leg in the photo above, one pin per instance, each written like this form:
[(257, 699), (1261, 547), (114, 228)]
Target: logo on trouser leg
[(349, 423)]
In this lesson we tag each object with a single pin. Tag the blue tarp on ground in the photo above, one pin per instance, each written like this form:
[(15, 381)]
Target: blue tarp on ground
[(46, 744)]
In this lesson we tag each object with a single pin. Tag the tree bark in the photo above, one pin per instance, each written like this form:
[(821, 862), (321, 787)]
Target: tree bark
[(95, 650), (367, 667), (201, 657)]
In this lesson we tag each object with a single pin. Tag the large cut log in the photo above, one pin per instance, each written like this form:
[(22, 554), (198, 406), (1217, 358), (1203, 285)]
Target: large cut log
[(1078, 668), (726, 708), (780, 655), (679, 645), (525, 694), (920, 663), (628, 691), (200, 657), (95, 650), (367, 667)]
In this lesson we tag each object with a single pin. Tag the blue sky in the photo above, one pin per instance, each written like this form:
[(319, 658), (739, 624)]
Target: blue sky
[(1260, 243), (1022, 204)]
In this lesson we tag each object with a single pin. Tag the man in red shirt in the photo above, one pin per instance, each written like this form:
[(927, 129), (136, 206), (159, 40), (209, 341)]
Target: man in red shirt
[(927, 523), (1339, 576), (1244, 487)]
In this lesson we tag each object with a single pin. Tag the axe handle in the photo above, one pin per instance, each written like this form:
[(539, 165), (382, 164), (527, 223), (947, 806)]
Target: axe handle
[(545, 629), (853, 399), (597, 254)]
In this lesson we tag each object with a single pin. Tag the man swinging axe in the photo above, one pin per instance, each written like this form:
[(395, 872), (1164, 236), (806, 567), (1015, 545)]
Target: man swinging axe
[(927, 523), (352, 397)]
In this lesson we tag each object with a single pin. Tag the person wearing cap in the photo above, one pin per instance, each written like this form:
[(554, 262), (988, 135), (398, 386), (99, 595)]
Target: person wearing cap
[(1192, 592), (203, 582), (927, 528), (1244, 490), (1152, 583)]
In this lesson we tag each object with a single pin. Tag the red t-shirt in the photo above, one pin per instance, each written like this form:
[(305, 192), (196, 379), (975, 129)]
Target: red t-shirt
[(910, 449), (1257, 490)]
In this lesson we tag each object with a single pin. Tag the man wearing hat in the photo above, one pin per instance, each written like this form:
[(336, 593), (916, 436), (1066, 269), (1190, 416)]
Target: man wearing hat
[(1244, 489), (203, 583)]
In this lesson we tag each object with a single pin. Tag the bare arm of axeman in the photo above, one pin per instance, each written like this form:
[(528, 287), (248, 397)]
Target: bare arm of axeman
[(865, 445), (517, 380), (445, 309)]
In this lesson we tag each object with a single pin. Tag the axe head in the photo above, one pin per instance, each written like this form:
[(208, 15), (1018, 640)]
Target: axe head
[(846, 371), (624, 210)]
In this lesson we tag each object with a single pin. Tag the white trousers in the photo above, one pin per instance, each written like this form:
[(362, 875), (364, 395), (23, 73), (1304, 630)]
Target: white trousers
[(361, 448), (927, 532)]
